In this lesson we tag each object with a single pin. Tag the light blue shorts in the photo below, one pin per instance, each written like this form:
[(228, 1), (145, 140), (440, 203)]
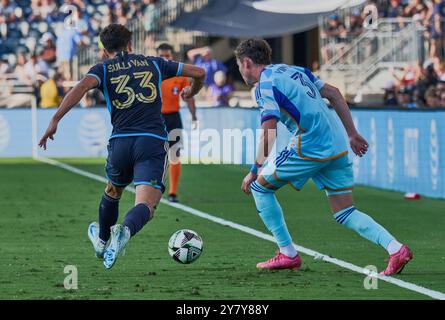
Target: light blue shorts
[(335, 176)]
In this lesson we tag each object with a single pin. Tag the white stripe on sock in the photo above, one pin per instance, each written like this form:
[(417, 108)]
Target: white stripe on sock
[(394, 246), (289, 251)]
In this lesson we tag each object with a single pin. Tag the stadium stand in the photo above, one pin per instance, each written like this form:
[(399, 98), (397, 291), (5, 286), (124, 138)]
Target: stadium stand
[(395, 60), (400, 53), (34, 37)]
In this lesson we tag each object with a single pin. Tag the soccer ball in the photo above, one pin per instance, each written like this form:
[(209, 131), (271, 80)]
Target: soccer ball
[(185, 246)]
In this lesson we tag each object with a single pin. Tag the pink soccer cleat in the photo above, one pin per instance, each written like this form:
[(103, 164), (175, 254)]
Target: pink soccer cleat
[(280, 261), (397, 261)]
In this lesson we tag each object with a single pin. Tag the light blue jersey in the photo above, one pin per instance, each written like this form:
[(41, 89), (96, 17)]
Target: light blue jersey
[(292, 95)]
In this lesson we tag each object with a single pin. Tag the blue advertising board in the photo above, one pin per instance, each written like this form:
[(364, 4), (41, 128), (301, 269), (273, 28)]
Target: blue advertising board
[(405, 146)]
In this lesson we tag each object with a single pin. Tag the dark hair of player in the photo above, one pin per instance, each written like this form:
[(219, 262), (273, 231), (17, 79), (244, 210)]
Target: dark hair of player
[(115, 37), (257, 50), (164, 47)]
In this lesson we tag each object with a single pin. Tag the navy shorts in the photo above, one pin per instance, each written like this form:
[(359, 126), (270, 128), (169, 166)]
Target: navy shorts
[(139, 159)]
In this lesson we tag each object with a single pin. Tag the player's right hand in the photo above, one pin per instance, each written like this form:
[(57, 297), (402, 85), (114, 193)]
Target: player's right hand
[(359, 145), (186, 93), (245, 186), (49, 133)]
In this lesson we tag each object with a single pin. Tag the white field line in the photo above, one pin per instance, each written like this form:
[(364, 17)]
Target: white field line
[(262, 235)]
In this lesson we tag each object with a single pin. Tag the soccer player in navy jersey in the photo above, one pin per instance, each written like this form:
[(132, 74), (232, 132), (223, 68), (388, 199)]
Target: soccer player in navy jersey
[(137, 149)]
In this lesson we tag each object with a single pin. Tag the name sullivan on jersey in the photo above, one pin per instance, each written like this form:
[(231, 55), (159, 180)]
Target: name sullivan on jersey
[(127, 65)]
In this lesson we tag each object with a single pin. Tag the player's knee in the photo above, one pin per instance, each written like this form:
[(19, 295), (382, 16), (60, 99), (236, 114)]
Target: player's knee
[(113, 191), (265, 184), (260, 192), (340, 202)]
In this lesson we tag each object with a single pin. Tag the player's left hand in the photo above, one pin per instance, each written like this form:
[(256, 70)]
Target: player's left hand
[(49, 133), (358, 144), (245, 186), (186, 93)]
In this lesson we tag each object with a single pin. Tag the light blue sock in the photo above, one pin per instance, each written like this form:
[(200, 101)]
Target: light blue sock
[(364, 225), (271, 213)]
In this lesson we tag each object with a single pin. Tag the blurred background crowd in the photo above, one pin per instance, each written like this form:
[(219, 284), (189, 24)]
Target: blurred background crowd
[(37, 50), (415, 85), (39, 54)]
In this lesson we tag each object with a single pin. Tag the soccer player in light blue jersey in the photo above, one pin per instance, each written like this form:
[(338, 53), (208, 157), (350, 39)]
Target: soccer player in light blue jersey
[(317, 150)]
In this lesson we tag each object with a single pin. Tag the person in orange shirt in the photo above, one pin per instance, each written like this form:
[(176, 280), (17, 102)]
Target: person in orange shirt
[(171, 90)]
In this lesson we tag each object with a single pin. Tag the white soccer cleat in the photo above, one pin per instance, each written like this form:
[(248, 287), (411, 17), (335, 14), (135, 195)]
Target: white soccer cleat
[(98, 245), (119, 238)]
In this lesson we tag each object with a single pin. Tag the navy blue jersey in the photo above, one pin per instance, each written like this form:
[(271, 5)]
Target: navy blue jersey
[(131, 85)]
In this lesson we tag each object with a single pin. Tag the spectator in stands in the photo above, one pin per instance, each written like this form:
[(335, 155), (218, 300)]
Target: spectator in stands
[(32, 69), (135, 9), (112, 3), (43, 10), (220, 92), (7, 12), (409, 77), (43, 67), (120, 12), (21, 91), (50, 91), (438, 27), (49, 48), (428, 79), (35, 10), (151, 22), (440, 87), (66, 47), (394, 10), (415, 7), (355, 24), (84, 26), (442, 99), (48, 10), (24, 77), (202, 57), (431, 98), (405, 97), (390, 97), (335, 33)]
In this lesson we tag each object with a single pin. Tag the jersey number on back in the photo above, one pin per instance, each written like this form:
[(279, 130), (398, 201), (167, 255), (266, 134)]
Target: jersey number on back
[(311, 92), (122, 88)]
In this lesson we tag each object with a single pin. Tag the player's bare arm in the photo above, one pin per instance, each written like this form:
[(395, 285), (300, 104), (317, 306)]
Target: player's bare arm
[(265, 145), (359, 145), (71, 99), (198, 75), (192, 108)]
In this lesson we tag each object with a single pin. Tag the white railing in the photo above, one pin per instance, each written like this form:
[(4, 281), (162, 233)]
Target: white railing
[(392, 43), (365, 46)]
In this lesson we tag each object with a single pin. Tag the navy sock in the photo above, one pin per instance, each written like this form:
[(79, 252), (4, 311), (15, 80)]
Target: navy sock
[(137, 217), (108, 214)]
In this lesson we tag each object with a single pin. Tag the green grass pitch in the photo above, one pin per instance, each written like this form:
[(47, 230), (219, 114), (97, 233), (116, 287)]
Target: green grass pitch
[(45, 211)]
